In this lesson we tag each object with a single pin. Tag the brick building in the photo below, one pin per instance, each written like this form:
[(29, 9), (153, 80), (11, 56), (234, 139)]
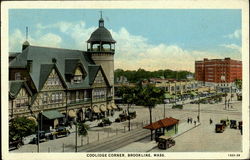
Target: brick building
[(218, 72)]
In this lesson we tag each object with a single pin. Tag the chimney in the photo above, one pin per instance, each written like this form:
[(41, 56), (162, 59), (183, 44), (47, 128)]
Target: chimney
[(29, 65)]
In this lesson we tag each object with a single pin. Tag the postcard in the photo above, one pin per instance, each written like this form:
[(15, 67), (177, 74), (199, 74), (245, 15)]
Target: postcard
[(125, 79)]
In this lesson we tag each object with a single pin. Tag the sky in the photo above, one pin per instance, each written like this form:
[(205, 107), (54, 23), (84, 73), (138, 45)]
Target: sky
[(151, 39)]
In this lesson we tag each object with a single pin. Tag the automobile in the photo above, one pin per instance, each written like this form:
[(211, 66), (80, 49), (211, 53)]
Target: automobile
[(233, 124), (43, 137), (122, 117), (132, 115), (105, 122), (28, 139), (15, 144), (178, 106), (165, 142), (225, 122), (59, 132), (219, 128)]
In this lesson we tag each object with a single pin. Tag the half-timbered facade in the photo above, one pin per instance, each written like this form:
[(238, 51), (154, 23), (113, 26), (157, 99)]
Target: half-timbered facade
[(64, 82)]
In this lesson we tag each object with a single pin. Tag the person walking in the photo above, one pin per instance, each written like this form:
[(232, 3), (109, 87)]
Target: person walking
[(211, 121), (198, 119), (191, 120), (194, 123)]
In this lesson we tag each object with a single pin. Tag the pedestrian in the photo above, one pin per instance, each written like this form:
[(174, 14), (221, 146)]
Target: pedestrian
[(198, 119), (188, 120), (211, 121), (191, 120), (194, 123)]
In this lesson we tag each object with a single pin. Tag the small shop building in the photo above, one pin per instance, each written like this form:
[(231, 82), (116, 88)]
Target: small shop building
[(167, 126)]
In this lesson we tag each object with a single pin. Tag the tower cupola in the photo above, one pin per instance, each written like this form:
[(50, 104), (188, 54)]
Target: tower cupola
[(101, 39)]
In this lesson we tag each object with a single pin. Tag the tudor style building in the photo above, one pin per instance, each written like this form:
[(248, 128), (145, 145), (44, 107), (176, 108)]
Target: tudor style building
[(62, 84)]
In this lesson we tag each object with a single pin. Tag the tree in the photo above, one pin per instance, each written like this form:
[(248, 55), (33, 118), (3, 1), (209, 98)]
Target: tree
[(149, 96), (238, 83), (128, 97), (20, 127)]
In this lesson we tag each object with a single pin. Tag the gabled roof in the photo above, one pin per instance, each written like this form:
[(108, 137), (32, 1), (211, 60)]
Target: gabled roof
[(15, 87), (44, 57), (162, 123), (93, 70)]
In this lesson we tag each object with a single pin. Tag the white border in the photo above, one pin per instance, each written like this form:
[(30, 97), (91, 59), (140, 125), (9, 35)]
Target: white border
[(178, 4)]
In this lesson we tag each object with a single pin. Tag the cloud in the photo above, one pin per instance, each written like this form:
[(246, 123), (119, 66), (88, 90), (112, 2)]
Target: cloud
[(232, 46), (132, 51), (235, 35), (17, 38)]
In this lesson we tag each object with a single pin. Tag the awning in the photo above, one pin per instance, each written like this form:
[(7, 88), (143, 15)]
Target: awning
[(114, 106), (53, 114), (63, 112), (32, 118), (109, 107), (103, 108), (72, 114), (96, 110), (193, 94), (168, 96)]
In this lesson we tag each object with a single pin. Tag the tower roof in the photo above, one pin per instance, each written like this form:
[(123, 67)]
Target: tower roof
[(101, 34)]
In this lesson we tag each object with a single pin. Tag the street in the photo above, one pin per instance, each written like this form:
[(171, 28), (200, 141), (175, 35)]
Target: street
[(117, 137)]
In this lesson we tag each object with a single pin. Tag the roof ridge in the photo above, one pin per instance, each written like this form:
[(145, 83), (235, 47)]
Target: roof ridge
[(57, 48)]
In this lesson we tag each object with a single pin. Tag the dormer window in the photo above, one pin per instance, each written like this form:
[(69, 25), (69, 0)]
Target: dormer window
[(77, 79), (17, 76)]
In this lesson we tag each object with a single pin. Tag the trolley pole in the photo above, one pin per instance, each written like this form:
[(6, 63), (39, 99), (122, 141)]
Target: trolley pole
[(199, 107), (76, 138)]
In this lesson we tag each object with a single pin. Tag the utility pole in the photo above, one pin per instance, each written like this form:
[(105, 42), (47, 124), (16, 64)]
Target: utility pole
[(76, 137), (38, 138), (164, 110), (199, 107)]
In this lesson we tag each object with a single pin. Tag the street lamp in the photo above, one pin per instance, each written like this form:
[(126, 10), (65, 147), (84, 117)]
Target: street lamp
[(38, 130)]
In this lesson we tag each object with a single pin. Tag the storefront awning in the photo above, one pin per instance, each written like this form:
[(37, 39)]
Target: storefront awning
[(32, 118), (109, 107), (53, 114), (96, 110), (72, 114), (114, 106), (63, 112), (193, 94), (103, 108)]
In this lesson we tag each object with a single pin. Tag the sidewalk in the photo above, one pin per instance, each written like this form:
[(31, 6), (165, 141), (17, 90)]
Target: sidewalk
[(146, 145)]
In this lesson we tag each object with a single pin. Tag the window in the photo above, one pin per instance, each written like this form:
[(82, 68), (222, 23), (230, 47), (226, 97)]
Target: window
[(17, 76), (18, 103), (45, 98), (77, 79)]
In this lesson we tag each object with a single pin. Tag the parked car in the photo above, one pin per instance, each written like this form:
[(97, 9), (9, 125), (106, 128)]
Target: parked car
[(42, 137), (219, 128), (15, 144), (233, 124), (105, 122), (132, 115), (178, 106), (225, 122), (59, 132)]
